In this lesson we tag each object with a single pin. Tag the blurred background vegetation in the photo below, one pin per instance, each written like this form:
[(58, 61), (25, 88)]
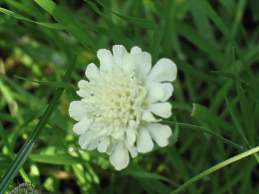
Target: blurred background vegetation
[(215, 45)]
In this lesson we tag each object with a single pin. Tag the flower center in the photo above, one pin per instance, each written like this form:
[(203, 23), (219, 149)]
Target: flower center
[(116, 100)]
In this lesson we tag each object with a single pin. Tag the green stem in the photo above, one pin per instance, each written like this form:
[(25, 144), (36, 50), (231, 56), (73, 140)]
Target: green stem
[(216, 168), (227, 141), (206, 130), (26, 149), (12, 155)]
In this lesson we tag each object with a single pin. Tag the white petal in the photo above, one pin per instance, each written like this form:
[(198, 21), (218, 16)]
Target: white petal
[(77, 110), (130, 136), (118, 133), (144, 141), (83, 84), (92, 72), (135, 50), (133, 151), (164, 70), (106, 59), (143, 64), (168, 91), (118, 53), (128, 63), (103, 145), (161, 109), (92, 145), (148, 116), (159, 91), (82, 126), (120, 157), (155, 92), (160, 133), (88, 140), (85, 139), (83, 91)]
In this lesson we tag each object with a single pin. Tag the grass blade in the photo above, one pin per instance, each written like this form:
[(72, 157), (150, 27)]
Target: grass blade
[(204, 114), (71, 23), (191, 35), (60, 159), (239, 128), (56, 26), (148, 175), (216, 168), (26, 148), (208, 131)]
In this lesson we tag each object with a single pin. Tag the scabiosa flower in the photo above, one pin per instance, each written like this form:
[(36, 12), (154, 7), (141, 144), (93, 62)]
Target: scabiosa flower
[(122, 102)]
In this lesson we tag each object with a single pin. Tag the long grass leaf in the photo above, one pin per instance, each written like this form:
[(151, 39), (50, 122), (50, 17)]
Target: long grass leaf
[(59, 159), (27, 147), (68, 20), (56, 26), (216, 168), (208, 131)]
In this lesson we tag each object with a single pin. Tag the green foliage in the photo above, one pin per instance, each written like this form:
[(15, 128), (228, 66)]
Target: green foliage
[(215, 101)]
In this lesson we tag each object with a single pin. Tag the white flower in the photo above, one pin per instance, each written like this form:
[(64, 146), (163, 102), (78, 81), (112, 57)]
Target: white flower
[(116, 114)]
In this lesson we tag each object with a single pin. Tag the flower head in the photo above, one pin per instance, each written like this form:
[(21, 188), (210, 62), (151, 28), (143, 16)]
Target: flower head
[(121, 102)]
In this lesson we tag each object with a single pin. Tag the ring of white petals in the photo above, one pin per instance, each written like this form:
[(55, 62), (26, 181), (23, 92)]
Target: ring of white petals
[(116, 114)]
